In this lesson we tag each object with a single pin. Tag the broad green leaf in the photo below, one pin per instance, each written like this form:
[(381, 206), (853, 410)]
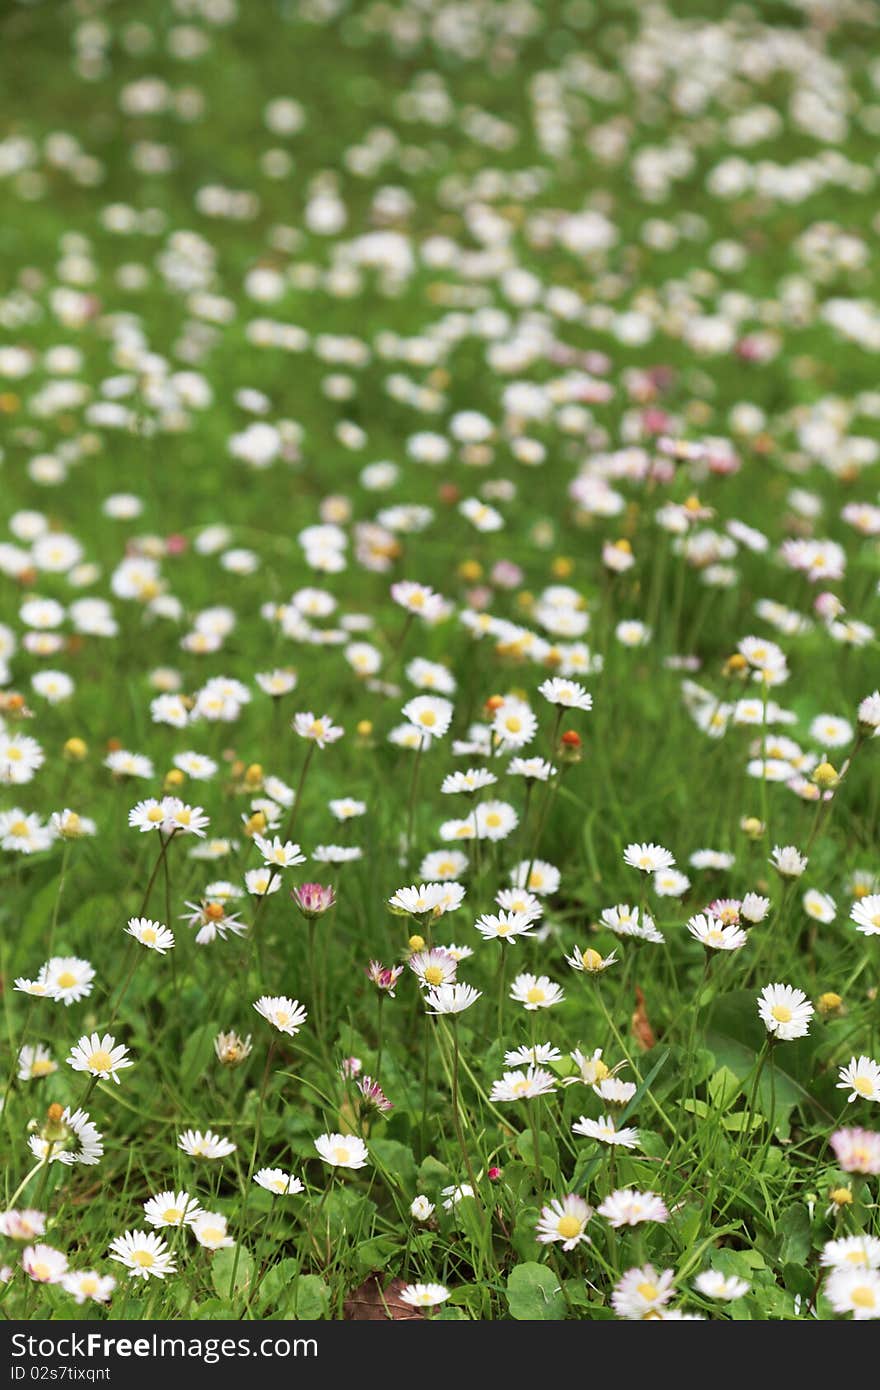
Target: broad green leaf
[(534, 1294)]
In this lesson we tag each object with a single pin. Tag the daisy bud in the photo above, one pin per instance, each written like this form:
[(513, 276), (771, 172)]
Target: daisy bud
[(416, 943), (829, 1003), (494, 1173), (562, 567), (470, 571), (570, 747), (314, 899), (494, 703), (231, 1049), (364, 728), (735, 665), (752, 826), (75, 750), (253, 776), (255, 825), (174, 779), (826, 776), (840, 1196)]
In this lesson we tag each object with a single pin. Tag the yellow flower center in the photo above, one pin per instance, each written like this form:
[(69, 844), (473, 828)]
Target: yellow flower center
[(341, 1154), (148, 935), (19, 827), (42, 1067), (172, 1215), (568, 1226), (781, 1013), (856, 1257), (66, 980), (434, 975), (493, 819), (863, 1085), (535, 995), (864, 1297), (592, 960), (279, 1184), (101, 1060), (155, 814), (647, 1291), (212, 1234), (88, 1284), (144, 1258), (40, 1270), (428, 718)]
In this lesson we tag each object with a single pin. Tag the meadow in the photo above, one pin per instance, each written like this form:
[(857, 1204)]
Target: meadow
[(439, 564)]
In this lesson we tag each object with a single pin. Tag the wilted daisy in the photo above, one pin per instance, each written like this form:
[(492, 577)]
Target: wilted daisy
[(171, 1209), (144, 1254), (861, 1077), (642, 1293), (153, 935), (278, 1182), (207, 1145), (287, 1015), (785, 1011), (564, 1220), (100, 1056), (342, 1150), (713, 1284), (231, 1049), (626, 1207), (421, 1208), (536, 992), (606, 1132)]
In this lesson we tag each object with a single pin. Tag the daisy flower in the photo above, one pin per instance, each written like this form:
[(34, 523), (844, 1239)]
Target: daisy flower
[(788, 861), (44, 1264), (536, 992), (855, 1291), (287, 1015), (857, 1150), (866, 914), (153, 935), (566, 693), (648, 857), (342, 1150), (23, 1224), (785, 1011), (642, 1293), (536, 1055), (279, 1183), (171, 1209), (423, 1295), (626, 1207), (35, 1062), (433, 967), (711, 1283), (851, 1250), (144, 1254), (861, 1077), (100, 1056), (564, 1220), (605, 1131), (87, 1284), (523, 1085), (715, 937), (69, 979), (320, 730), (279, 854), (451, 999), (590, 962), (207, 1145), (68, 1138), (504, 926), (209, 1229)]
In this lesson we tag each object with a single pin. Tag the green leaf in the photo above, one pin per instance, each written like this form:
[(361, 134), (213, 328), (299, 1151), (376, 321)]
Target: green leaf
[(795, 1229), (222, 1265), (397, 1160), (310, 1298), (275, 1292), (534, 1295), (197, 1053)]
